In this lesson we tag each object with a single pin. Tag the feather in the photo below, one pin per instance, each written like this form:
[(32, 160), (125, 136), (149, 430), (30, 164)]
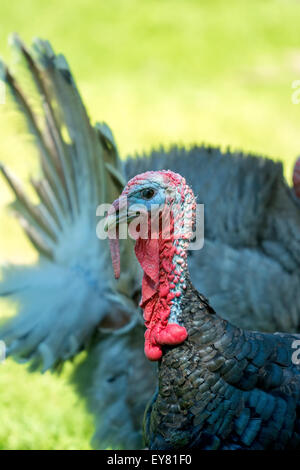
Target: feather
[(39, 214), (71, 291)]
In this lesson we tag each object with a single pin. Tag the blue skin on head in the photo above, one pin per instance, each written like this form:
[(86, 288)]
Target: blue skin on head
[(142, 195)]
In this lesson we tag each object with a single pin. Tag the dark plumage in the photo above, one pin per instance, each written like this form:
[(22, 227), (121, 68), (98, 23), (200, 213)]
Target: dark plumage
[(224, 387)]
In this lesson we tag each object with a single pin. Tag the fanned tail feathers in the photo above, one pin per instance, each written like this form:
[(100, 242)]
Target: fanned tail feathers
[(71, 290)]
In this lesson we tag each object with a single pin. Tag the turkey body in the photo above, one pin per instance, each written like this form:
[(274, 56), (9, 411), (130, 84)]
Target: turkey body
[(224, 387)]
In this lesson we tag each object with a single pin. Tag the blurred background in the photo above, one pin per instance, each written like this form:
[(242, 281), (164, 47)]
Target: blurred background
[(158, 72)]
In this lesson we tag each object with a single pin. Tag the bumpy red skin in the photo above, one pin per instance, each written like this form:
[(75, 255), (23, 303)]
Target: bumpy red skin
[(160, 275), (156, 259)]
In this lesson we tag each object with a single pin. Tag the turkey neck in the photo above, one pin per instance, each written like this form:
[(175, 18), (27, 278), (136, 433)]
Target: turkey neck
[(184, 379), (167, 293), (164, 262)]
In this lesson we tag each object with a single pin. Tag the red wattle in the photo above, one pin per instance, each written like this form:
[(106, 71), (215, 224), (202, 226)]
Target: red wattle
[(153, 353), (147, 253), (155, 256), (172, 334)]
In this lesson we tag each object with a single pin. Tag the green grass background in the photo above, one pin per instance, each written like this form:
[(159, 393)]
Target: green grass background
[(158, 71)]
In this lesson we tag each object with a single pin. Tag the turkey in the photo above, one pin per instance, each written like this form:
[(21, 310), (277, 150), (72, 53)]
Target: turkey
[(219, 386), (69, 300)]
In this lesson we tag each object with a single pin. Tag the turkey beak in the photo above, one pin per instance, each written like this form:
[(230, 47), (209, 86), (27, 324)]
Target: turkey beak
[(116, 215)]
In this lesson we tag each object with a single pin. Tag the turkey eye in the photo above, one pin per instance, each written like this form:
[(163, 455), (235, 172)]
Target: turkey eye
[(147, 193)]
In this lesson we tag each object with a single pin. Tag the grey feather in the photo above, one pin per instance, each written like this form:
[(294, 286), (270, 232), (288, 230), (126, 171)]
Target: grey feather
[(117, 381)]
